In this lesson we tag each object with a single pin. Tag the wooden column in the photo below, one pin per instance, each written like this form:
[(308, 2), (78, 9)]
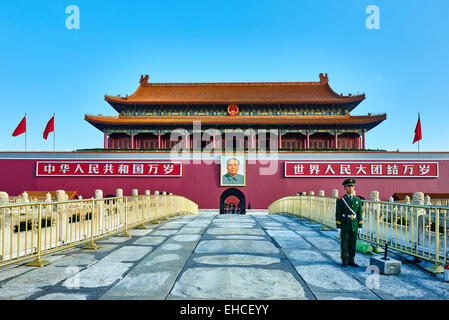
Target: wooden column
[(132, 140), (307, 140), (106, 146), (335, 140), (363, 140), (187, 140), (159, 146), (253, 144)]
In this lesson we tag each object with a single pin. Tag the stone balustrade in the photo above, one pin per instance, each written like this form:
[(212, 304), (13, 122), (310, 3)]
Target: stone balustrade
[(31, 229)]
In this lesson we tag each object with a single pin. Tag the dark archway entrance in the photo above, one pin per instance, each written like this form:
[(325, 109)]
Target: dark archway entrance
[(235, 193)]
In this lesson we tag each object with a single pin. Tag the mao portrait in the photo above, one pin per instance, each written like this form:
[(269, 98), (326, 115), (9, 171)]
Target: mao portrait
[(232, 170)]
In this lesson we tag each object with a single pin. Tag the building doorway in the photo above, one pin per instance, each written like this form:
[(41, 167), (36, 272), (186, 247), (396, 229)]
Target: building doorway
[(232, 200)]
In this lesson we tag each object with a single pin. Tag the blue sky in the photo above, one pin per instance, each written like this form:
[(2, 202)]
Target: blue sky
[(46, 68)]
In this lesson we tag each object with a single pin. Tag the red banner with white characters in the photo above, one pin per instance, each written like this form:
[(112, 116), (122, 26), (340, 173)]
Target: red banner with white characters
[(369, 169), (108, 169)]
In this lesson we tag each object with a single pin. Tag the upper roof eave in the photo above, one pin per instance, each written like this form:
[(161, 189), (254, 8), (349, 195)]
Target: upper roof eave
[(158, 120), (235, 92)]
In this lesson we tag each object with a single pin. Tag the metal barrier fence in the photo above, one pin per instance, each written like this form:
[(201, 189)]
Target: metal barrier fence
[(417, 230), (31, 230)]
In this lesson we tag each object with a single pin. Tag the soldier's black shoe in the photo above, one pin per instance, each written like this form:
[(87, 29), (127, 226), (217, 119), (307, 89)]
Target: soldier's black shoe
[(353, 264), (344, 264)]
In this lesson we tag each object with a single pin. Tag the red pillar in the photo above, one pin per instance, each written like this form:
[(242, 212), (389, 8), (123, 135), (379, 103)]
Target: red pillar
[(307, 140), (159, 146), (363, 140), (132, 140), (187, 140), (253, 145), (106, 141), (335, 140)]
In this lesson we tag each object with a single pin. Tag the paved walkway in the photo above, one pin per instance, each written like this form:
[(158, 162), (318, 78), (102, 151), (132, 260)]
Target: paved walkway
[(210, 256)]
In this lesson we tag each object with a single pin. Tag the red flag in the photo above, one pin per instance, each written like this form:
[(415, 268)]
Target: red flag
[(21, 128), (50, 127), (418, 135)]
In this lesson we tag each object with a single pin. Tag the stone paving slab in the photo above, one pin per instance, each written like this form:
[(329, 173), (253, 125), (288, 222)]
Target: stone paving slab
[(210, 256), (149, 241), (236, 246), (139, 232), (236, 283), (233, 231), (191, 230), (236, 260)]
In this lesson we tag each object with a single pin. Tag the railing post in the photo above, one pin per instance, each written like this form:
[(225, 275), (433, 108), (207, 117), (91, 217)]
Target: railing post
[(436, 268), (92, 245), (378, 248), (293, 206), (164, 198), (374, 196), (323, 213), (38, 262), (310, 197), (156, 199), (125, 233), (301, 206), (143, 226), (418, 199)]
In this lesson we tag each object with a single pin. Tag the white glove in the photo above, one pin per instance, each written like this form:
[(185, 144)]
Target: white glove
[(339, 231), (360, 230)]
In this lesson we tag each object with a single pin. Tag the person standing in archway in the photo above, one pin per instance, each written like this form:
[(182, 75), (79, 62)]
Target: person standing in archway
[(348, 217)]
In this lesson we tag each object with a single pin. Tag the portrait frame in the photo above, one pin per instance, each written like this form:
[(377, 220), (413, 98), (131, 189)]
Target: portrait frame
[(241, 174)]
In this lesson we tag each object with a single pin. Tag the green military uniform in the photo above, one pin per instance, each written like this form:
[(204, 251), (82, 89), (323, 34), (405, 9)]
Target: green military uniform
[(237, 179), (349, 222)]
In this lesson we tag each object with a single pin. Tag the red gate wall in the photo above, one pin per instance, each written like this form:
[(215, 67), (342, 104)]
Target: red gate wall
[(201, 182)]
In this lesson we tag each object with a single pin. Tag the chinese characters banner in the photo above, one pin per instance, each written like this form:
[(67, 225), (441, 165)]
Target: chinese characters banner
[(108, 169), (370, 169)]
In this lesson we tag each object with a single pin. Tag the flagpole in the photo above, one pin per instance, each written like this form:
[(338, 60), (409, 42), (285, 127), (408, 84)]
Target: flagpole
[(54, 137), (419, 118), (25, 134)]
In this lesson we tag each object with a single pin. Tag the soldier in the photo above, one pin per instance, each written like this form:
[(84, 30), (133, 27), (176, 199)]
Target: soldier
[(348, 216)]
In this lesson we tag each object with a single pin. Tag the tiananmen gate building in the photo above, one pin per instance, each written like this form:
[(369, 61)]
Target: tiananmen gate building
[(319, 143), (307, 115)]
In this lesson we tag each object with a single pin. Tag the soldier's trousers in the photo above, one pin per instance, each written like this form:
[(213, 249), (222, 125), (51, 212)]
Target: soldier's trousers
[(348, 242)]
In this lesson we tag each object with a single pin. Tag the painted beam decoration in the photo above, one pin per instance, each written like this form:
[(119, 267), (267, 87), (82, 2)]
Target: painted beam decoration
[(369, 169), (108, 169)]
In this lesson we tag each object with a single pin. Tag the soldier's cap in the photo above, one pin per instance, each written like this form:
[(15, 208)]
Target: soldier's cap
[(349, 182)]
